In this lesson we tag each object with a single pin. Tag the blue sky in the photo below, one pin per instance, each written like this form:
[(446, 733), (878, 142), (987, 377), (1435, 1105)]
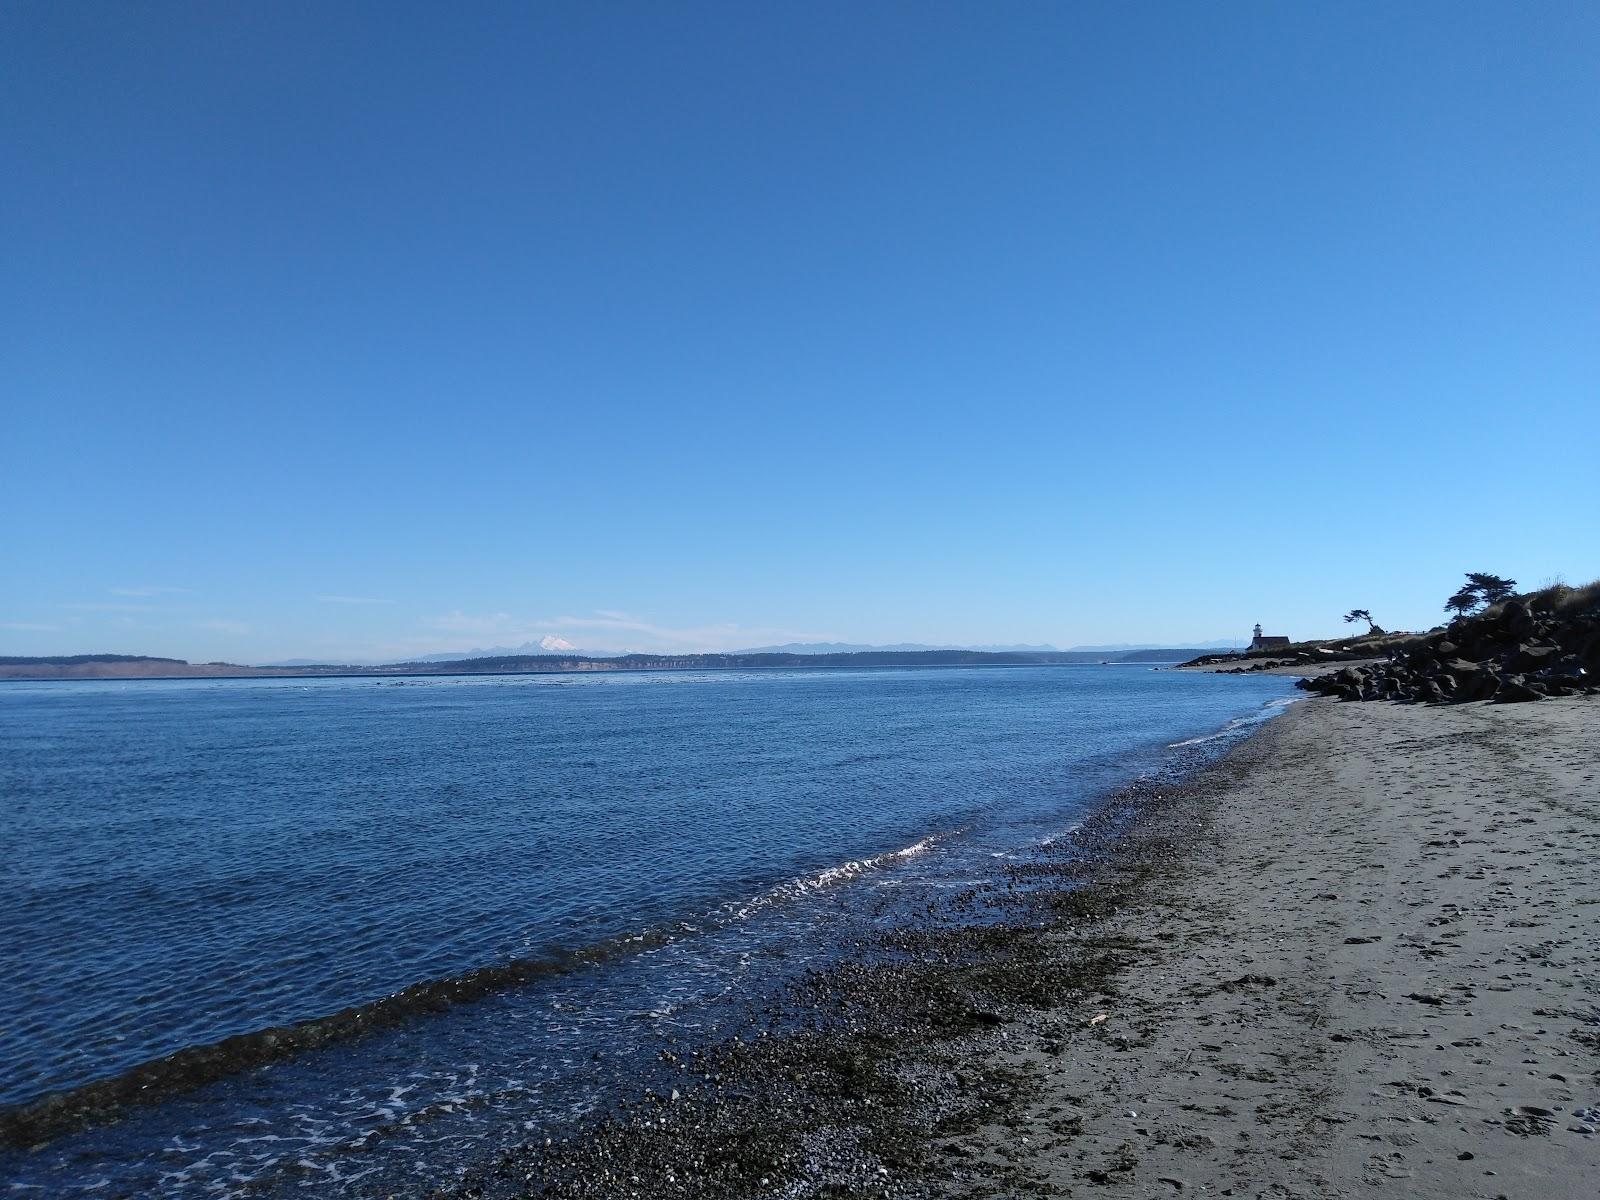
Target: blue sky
[(369, 330)]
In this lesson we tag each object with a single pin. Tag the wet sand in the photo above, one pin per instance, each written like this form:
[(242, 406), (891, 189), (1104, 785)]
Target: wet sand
[(1356, 955)]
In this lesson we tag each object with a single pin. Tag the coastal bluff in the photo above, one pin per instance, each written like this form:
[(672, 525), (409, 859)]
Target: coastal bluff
[(1530, 648)]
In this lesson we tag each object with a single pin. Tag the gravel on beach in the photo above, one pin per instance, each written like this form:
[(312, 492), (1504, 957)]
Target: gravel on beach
[(1357, 952)]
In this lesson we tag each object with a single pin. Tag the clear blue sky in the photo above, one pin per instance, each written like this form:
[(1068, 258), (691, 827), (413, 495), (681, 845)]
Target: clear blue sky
[(365, 330)]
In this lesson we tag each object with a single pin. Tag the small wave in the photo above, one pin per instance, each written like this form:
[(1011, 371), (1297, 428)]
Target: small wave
[(1051, 839), (182, 1071), (853, 869), (804, 885), (1267, 711), (93, 1103)]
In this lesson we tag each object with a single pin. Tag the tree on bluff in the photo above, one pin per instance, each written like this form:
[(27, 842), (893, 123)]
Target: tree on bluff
[(1361, 614), (1491, 588), (1481, 590), (1462, 603)]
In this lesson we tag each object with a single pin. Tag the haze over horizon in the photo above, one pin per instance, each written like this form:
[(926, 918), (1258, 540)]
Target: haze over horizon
[(359, 333), (555, 645)]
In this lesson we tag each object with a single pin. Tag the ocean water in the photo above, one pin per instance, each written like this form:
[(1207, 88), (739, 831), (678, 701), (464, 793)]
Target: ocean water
[(188, 861)]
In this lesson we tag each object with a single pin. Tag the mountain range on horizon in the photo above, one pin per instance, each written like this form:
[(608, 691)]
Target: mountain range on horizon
[(551, 644), (1017, 648)]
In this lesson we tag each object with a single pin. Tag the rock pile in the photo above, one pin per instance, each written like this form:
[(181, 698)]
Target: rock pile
[(1295, 656), (1526, 649)]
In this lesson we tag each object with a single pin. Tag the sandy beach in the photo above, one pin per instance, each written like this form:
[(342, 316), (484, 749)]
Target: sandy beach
[(1357, 952), (1377, 969)]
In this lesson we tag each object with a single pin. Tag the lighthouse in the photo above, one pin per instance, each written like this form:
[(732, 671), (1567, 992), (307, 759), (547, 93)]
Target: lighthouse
[(1262, 641)]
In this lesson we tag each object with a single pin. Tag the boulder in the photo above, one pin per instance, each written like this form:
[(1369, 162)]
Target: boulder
[(1479, 685), (1517, 690), (1473, 681), (1589, 652), (1529, 658), (1516, 653), (1517, 619)]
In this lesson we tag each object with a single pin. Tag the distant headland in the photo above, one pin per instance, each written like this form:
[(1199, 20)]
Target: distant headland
[(134, 666)]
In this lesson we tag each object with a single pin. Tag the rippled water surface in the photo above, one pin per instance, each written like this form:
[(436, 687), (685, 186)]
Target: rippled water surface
[(185, 861)]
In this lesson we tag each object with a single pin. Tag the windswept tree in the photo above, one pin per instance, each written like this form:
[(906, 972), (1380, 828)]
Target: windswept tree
[(1491, 588), (1361, 614), (1481, 590), (1462, 603)]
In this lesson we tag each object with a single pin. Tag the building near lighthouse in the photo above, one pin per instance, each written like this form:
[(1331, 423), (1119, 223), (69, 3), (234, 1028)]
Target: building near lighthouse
[(1267, 642)]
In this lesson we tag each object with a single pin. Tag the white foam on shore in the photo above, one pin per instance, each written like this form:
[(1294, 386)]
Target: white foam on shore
[(1270, 709), (803, 885), (1052, 838), (849, 870)]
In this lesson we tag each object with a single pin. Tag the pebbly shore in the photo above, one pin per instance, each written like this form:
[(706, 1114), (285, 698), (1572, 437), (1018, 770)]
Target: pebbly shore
[(1355, 953)]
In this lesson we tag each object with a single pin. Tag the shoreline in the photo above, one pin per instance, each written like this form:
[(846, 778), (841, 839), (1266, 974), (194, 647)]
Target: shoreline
[(1377, 971), (833, 1090), (1346, 947), (1350, 952), (98, 1102)]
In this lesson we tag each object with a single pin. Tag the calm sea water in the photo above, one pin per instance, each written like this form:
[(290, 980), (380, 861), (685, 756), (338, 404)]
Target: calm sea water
[(185, 861)]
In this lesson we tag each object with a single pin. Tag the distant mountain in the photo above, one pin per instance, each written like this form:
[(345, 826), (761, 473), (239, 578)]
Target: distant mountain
[(552, 645), (317, 662), (104, 666), (1118, 647), (1042, 648), (848, 658), (918, 648), (549, 644), (896, 648), (837, 648)]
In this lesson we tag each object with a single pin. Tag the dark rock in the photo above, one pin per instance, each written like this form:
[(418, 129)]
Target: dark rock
[(1517, 690), (1517, 619), (1515, 650), (1534, 658)]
